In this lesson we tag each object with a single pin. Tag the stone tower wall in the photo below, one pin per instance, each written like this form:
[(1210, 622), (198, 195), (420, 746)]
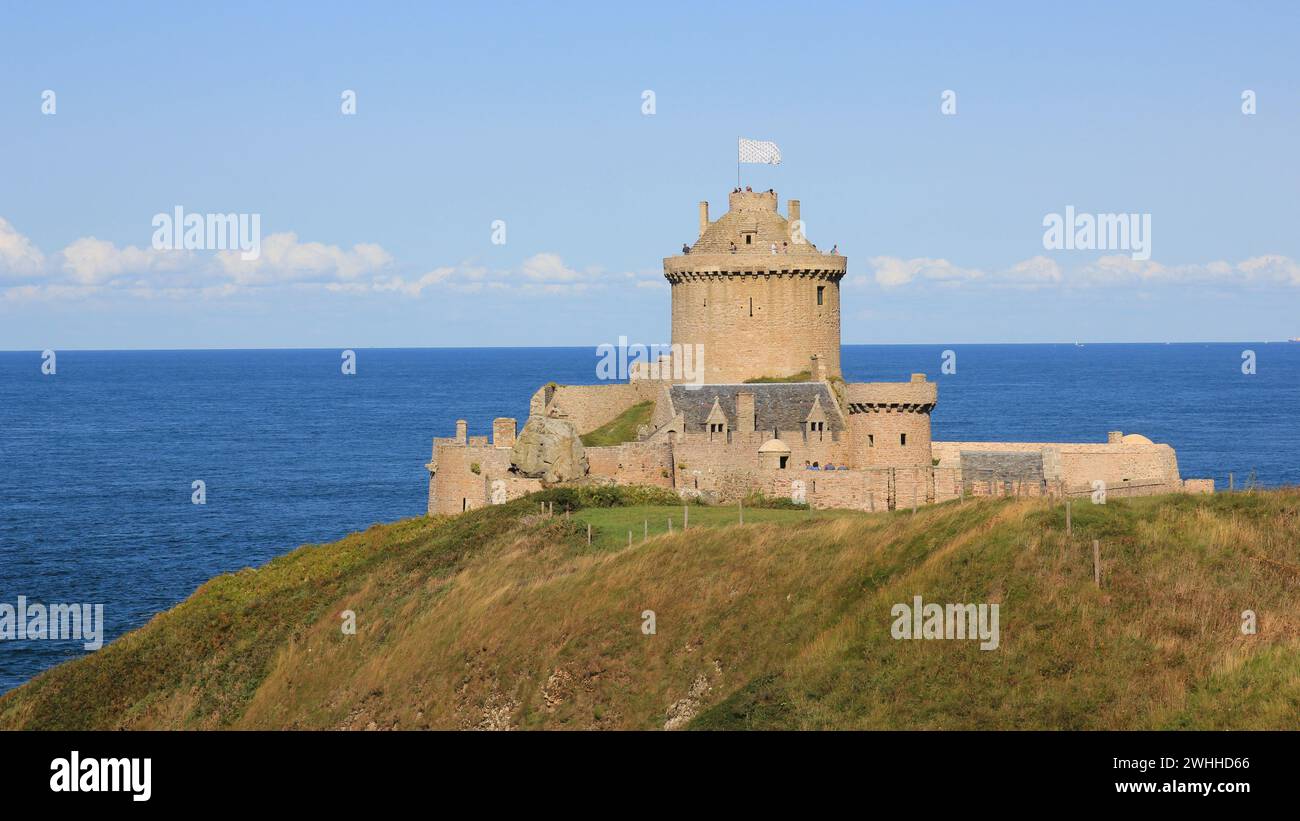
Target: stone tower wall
[(877, 438), (756, 313), (880, 413), (757, 324)]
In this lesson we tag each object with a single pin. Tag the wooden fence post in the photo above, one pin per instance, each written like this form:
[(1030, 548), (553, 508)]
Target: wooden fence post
[(588, 534), (1069, 525), (1096, 563)]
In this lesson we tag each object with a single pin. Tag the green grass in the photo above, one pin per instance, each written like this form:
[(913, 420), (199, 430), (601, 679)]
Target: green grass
[(610, 526), (622, 428), (801, 376), (504, 617)]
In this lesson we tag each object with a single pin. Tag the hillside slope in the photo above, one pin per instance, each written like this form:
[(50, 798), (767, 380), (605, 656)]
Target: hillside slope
[(504, 618)]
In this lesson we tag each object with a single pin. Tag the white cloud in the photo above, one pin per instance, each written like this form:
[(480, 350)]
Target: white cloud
[(1037, 269), (416, 286), (891, 272), (284, 259), (1270, 268), (89, 265), (1116, 269), (90, 261), (549, 268), (19, 257)]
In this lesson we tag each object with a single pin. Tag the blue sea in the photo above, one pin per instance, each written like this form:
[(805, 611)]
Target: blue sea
[(97, 461)]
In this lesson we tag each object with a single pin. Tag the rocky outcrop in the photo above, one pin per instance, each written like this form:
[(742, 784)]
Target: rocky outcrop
[(549, 449)]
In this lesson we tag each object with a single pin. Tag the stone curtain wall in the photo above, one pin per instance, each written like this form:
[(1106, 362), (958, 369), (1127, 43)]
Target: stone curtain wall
[(1125, 468), (876, 489), (455, 486), (730, 470), (590, 406), (634, 463)]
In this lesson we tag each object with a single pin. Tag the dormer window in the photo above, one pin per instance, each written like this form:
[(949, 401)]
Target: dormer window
[(716, 424)]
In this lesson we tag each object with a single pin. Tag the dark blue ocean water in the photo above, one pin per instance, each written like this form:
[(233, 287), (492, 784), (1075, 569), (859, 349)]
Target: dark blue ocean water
[(96, 462)]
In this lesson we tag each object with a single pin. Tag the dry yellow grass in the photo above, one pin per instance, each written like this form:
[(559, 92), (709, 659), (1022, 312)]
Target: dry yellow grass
[(503, 619)]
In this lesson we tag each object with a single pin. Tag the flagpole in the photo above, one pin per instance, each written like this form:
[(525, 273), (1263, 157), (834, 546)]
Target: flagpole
[(737, 162)]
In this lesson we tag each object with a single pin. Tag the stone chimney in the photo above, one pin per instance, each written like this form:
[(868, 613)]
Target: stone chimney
[(503, 432), (918, 377), (1114, 437), (461, 431), (745, 412), (792, 209), (704, 217)]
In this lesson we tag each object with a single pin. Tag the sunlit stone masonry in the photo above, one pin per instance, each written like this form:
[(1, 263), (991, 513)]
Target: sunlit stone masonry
[(762, 408)]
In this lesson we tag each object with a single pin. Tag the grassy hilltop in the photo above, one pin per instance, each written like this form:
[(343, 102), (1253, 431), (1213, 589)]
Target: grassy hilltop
[(504, 618)]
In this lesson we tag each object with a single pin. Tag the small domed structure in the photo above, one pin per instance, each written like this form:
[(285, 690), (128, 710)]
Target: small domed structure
[(1136, 439), (774, 454)]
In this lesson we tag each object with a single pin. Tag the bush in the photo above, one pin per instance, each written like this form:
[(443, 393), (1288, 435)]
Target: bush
[(773, 502), (581, 496)]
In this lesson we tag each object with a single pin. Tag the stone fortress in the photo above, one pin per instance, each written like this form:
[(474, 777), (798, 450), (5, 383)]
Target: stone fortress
[(772, 414)]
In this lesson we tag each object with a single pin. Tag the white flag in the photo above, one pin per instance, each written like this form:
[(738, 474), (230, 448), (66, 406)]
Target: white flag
[(759, 151)]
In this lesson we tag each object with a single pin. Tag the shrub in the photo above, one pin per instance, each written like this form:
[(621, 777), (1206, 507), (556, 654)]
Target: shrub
[(578, 497), (757, 499)]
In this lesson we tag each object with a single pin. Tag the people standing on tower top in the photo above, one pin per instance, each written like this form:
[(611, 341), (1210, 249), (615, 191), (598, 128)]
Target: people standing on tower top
[(835, 249), (785, 247), (733, 247), (774, 249), (686, 249), (748, 190)]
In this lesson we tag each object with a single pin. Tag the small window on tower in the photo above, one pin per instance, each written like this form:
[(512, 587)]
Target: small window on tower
[(748, 238), (902, 438), (871, 440), (751, 306), (821, 293)]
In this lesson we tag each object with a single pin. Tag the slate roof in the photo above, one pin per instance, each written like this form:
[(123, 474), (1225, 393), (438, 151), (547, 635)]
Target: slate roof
[(1002, 466), (777, 406)]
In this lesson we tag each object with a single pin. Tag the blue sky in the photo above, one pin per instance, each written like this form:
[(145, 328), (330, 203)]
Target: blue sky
[(377, 226)]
